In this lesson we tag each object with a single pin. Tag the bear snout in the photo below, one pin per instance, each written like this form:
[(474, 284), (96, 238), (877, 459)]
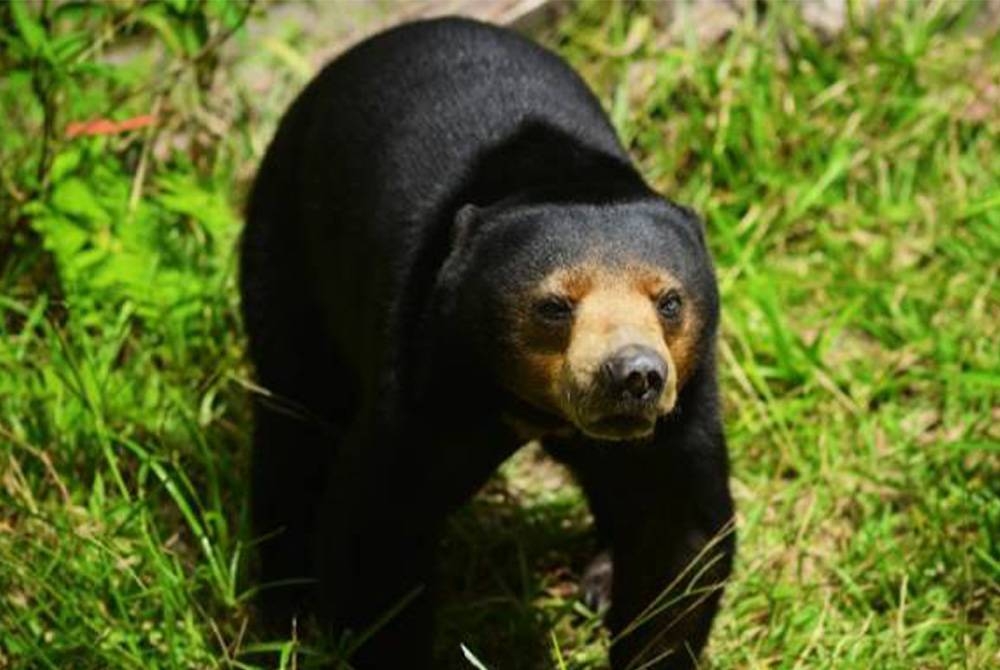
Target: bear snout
[(634, 375), (626, 395)]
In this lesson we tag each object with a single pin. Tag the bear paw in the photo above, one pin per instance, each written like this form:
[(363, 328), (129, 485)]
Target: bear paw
[(595, 586)]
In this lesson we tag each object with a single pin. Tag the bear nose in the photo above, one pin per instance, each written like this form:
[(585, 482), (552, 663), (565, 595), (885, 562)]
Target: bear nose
[(636, 373)]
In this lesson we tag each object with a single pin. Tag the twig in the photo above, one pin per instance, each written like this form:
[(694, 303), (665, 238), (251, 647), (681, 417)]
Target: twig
[(140, 173)]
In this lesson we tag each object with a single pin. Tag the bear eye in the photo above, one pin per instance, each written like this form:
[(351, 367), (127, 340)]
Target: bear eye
[(669, 305), (554, 309)]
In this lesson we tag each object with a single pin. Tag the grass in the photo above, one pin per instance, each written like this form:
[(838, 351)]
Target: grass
[(851, 197)]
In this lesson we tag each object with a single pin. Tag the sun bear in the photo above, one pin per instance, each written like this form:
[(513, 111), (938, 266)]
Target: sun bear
[(448, 254)]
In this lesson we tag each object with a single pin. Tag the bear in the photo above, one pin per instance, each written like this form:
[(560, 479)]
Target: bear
[(448, 254)]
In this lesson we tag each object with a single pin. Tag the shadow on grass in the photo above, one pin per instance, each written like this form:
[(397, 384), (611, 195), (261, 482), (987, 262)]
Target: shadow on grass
[(509, 568)]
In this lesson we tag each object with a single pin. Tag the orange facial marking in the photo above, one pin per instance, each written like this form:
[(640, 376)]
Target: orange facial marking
[(536, 376), (617, 311), (683, 347)]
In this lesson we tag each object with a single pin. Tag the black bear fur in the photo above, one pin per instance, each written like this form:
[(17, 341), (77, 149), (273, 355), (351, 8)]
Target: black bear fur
[(369, 289)]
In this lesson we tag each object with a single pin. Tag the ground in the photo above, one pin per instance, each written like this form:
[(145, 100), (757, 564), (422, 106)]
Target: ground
[(849, 188)]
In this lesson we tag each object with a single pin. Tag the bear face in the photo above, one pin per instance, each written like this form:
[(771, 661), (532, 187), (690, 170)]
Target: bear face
[(592, 317)]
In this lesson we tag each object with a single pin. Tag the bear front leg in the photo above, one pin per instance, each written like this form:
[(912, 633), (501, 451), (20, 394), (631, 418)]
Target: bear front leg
[(285, 497), (375, 558), (672, 543), (382, 596), (664, 520), (666, 586)]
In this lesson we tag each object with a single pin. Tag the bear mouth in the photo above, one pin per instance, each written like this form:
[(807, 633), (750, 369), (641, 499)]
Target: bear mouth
[(621, 426), (618, 423)]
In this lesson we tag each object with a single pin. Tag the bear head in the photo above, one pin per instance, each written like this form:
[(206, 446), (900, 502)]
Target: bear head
[(589, 317)]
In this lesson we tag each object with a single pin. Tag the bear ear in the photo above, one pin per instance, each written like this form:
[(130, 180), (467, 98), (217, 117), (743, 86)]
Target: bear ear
[(465, 220), (463, 228), (691, 220)]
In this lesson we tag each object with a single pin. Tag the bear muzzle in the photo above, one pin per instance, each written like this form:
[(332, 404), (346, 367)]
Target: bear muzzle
[(627, 395)]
